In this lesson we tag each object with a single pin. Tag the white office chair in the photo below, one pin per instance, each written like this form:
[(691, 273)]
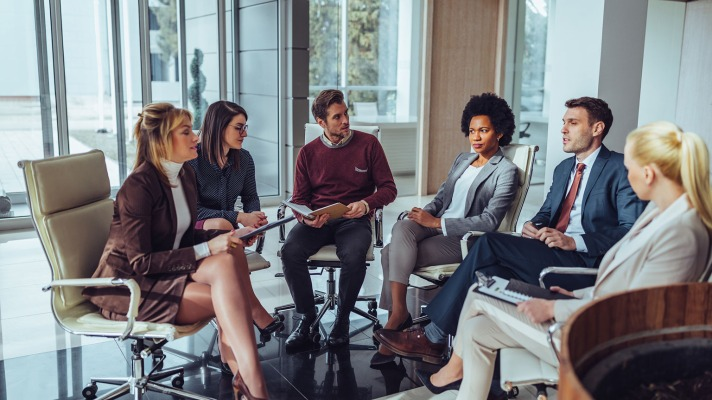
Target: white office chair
[(326, 257), (72, 211)]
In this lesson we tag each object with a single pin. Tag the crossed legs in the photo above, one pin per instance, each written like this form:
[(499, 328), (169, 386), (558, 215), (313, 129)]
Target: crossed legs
[(220, 288), (261, 317)]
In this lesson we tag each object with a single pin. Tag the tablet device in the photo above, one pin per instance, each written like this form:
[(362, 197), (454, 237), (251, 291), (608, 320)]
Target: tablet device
[(267, 227)]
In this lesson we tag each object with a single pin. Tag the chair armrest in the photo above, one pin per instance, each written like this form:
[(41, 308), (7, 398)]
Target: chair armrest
[(553, 328), (565, 271), (134, 297), (281, 211), (378, 227), (260, 244), (465, 241)]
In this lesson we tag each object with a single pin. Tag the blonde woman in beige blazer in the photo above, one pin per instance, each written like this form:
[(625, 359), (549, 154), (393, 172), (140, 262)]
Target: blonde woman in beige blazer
[(669, 243)]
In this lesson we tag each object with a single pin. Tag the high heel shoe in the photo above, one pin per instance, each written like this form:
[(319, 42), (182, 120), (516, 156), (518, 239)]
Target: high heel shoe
[(275, 326), (240, 389)]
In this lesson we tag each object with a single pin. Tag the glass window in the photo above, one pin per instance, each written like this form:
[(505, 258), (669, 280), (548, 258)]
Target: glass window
[(165, 47), (20, 105), (533, 98), (366, 32)]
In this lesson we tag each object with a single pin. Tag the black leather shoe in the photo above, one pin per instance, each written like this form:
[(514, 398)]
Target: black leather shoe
[(379, 359), (339, 335), (302, 338), (424, 377)]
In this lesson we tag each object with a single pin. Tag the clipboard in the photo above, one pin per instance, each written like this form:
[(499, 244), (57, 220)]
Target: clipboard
[(267, 227), (335, 210), (514, 291)]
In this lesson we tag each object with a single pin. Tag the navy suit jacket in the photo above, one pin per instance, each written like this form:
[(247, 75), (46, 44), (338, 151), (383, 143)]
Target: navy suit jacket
[(610, 206)]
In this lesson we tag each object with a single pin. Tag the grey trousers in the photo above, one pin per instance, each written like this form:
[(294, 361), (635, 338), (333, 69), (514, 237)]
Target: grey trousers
[(413, 246)]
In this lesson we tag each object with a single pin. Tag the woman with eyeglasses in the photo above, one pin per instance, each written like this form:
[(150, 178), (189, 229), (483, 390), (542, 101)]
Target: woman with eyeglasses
[(224, 171)]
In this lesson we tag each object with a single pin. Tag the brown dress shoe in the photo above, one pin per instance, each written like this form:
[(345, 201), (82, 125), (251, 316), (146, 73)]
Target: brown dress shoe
[(411, 343)]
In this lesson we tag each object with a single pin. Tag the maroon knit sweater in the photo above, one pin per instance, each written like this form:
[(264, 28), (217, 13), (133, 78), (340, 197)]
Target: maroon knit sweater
[(357, 171)]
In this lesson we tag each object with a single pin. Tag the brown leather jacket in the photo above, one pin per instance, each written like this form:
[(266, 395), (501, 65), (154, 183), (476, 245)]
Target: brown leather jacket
[(140, 246)]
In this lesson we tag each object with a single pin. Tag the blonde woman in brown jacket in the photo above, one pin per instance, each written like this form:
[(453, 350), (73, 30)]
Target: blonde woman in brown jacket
[(184, 277)]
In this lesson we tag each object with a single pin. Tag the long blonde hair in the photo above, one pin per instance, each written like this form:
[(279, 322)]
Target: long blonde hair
[(152, 133), (681, 156)]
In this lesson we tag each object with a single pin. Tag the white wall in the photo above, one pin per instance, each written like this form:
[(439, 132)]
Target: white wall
[(661, 61)]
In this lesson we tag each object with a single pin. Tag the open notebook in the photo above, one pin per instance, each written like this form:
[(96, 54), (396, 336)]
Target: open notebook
[(514, 291)]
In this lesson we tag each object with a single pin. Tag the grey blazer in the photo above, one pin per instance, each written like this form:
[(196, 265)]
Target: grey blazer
[(672, 249), (489, 197)]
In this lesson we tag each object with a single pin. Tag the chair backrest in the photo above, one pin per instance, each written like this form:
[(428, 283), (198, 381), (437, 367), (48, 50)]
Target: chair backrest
[(313, 131), (522, 155), (69, 198), (707, 272)]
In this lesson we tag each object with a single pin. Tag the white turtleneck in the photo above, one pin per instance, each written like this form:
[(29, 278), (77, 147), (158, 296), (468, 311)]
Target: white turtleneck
[(172, 170)]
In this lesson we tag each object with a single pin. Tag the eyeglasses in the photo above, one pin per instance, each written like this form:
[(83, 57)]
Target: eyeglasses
[(241, 129)]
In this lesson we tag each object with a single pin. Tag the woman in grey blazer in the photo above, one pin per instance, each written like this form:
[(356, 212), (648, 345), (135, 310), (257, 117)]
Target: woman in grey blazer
[(669, 243), (476, 195)]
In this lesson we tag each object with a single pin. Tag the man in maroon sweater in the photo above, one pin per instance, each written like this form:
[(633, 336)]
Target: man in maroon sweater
[(339, 166)]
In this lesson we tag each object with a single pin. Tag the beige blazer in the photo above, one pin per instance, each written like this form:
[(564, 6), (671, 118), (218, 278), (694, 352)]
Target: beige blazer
[(660, 249)]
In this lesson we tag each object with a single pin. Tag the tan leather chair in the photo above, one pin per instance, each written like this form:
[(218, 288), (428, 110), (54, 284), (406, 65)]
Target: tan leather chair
[(72, 212), (326, 258)]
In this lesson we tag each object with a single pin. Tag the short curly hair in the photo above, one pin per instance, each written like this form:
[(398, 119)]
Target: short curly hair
[(496, 109)]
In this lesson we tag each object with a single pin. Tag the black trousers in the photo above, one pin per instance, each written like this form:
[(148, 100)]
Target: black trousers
[(352, 238), (507, 256)]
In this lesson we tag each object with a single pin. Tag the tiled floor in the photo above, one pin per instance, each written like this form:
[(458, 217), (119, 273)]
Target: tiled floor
[(38, 360)]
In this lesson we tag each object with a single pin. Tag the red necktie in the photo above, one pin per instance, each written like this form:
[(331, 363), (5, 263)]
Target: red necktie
[(565, 216)]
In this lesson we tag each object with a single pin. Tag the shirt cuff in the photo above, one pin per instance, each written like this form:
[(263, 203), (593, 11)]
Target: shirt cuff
[(201, 251), (580, 244), (368, 209), (442, 226)]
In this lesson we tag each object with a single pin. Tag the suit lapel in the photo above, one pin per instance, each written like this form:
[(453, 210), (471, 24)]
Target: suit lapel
[(559, 187), (596, 171), (631, 247), (457, 173), (486, 171)]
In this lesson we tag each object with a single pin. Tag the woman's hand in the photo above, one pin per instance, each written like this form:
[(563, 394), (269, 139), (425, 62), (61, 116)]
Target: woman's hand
[(224, 243), (561, 290), (423, 218), (537, 310), (244, 231), (254, 219)]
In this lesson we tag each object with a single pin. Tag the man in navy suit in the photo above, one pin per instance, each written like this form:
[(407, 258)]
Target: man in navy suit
[(589, 207)]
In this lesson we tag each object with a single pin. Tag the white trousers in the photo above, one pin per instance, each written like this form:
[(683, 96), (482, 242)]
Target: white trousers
[(485, 326)]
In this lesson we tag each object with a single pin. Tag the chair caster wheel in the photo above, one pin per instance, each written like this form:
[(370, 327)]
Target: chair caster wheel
[(513, 393), (372, 305), (177, 382), (89, 391)]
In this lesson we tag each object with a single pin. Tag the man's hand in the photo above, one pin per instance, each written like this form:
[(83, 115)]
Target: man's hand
[(553, 238), (423, 218), (529, 230), (537, 310), (356, 210), (254, 219), (317, 222)]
